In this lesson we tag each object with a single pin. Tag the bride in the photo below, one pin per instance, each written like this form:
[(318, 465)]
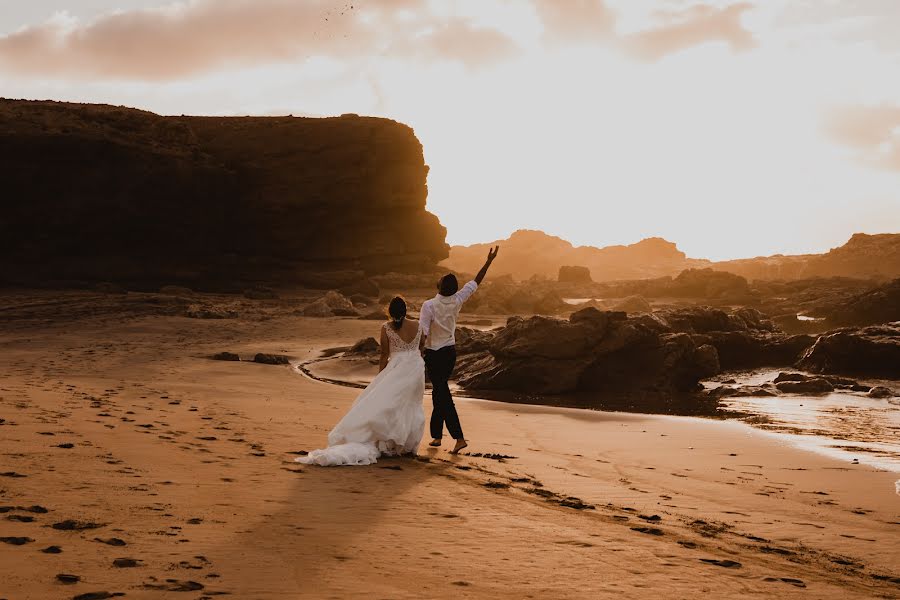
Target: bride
[(387, 417)]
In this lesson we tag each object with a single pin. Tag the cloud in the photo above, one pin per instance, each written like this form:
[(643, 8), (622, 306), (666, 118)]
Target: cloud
[(872, 131), (567, 20), (677, 30), (197, 36), (455, 39), (694, 26)]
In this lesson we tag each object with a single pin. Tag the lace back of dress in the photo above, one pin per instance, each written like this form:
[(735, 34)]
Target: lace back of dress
[(397, 343)]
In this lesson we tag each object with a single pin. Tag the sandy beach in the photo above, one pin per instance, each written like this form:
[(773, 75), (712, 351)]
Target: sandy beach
[(136, 464)]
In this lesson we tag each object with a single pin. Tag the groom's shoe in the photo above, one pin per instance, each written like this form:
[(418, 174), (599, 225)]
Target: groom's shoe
[(460, 444), (434, 443)]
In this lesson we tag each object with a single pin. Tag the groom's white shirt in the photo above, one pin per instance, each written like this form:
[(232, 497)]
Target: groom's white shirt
[(438, 317)]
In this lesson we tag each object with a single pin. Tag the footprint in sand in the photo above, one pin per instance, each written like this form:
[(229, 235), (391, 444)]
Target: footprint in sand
[(174, 585), (728, 564), (67, 578), (648, 530), (98, 595), (21, 518), (126, 563), (496, 485), (790, 580), (575, 543), (72, 525), (16, 541)]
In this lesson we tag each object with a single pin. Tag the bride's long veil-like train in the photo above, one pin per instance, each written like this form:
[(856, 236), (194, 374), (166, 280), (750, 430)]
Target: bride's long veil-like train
[(387, 417)]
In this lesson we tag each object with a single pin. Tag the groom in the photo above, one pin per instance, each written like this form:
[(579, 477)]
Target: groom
[(438, 323)]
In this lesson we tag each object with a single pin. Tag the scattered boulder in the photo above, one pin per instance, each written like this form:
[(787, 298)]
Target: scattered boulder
[(364, 347), (362, 300), (271, 359), (881, 392), (707, 283), (226, 356), (332, 304), (881, 305), (872, 351), (574, 274), (633, 304), (740, 392), (377, 314), (816, 385), (790, 377)]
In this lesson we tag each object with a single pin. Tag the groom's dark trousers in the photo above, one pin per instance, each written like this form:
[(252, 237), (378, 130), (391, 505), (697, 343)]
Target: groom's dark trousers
[(440, 365)]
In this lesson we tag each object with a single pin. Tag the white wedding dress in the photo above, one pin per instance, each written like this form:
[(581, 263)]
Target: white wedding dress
[(387, 417)]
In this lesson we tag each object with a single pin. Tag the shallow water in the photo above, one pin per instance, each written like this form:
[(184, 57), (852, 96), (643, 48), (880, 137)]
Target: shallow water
[(843, 424)]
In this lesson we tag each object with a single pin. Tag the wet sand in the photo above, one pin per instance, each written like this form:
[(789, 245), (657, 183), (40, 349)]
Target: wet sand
[(120, 431)]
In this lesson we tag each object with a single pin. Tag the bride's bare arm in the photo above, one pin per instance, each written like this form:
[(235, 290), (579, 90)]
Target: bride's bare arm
[(385, 349)]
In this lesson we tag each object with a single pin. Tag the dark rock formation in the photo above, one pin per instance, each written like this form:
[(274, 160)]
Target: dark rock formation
[(872, 351), (633, 304), (102, 193), (707, 283), (751, 349), (881, 392), (271, 359), (231, 356), (569, 274), (592, 351), (880, 305), (744, 338), (813, 385), (332, 304), (364, 347)]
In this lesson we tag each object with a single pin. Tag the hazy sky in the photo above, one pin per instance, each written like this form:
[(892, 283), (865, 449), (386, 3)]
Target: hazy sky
[(731, 128)]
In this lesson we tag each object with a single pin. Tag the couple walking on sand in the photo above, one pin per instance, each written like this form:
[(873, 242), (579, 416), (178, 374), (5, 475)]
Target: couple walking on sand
[(387, 417)]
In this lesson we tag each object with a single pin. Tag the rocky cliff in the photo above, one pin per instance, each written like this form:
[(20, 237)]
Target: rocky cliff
[(94, 192), (529, 253)]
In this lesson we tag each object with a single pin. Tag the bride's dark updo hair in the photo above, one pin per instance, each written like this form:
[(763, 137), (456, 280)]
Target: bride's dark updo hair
[(397, 310)]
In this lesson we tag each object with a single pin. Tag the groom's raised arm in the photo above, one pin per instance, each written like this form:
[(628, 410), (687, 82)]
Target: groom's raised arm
[(492, 254)]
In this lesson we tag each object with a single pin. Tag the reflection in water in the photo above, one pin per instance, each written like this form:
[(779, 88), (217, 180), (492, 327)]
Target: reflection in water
[(806, 318), (842, 423)]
